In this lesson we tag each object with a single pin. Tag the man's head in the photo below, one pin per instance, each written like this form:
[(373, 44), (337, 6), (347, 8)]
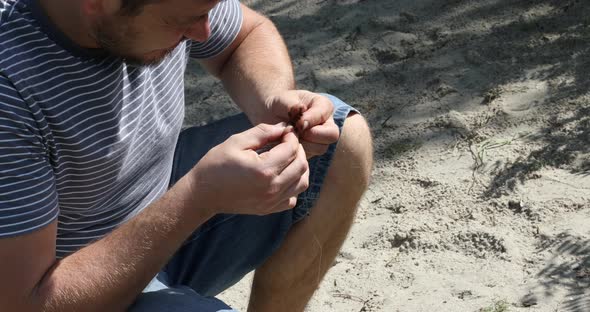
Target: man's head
[(145, 31)]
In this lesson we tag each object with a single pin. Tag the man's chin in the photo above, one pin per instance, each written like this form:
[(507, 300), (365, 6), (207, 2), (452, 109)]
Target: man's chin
[(149, 59), (145, 61), (116, 43)]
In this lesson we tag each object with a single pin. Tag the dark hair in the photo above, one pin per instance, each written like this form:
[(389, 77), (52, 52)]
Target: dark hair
[(133, 7)]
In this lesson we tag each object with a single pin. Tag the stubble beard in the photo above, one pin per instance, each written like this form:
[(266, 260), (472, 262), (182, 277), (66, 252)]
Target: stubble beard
[(117, 41)]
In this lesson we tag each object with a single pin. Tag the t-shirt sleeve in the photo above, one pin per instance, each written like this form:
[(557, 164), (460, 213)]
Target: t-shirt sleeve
[(225, 21), (28, 197)]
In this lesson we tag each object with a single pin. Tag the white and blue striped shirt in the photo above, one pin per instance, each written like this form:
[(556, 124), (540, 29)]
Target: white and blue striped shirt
[(85, 137)]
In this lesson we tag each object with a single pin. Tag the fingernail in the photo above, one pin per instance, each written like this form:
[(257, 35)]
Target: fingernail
[(305, 125), (282, 124)]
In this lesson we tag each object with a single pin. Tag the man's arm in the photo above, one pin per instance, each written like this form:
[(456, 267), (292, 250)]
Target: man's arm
[(104, 276), (255, 66), (108, 274), (257, 73)]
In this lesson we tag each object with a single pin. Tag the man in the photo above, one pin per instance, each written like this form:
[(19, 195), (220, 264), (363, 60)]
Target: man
[(106, 206)]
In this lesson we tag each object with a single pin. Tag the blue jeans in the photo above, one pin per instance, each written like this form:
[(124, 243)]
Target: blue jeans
[(227, 247)]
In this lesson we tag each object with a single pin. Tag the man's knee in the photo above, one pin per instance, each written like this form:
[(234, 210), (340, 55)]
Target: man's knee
[(353, 160)]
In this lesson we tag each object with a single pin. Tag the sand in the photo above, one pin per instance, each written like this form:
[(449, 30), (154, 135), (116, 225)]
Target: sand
[(480, 196)]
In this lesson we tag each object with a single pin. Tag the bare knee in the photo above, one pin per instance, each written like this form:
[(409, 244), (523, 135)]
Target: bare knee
[(353, 160)]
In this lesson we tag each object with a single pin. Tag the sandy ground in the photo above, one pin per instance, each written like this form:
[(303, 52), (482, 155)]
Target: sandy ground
[(480, 199)]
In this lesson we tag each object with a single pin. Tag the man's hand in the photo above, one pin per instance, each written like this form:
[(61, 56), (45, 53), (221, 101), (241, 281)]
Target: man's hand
[(234, 178), (315, 127)]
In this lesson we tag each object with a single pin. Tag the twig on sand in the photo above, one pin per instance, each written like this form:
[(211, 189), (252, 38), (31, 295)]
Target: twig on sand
[(348, 296), (365, 302), (479, 152), (384, 123)]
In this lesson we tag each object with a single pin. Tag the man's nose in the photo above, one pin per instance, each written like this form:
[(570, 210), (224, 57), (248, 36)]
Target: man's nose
[(199, 31)]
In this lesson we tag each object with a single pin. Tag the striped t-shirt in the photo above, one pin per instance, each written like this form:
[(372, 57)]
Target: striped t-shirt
[(85, 137)]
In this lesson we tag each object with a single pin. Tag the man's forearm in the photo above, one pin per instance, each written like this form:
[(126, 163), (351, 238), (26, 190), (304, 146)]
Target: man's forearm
[(108, 274), (258, 68)]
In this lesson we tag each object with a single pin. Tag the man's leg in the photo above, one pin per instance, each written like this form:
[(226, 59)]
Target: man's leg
[(227, 247), (288, 279)]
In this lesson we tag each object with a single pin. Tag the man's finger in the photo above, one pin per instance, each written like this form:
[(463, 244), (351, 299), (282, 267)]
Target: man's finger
[(326, 133), (298, 186), (281, 104), (282, 206), (281, 156), (313, 149), (319, 110), (259, 136), (295, 170)]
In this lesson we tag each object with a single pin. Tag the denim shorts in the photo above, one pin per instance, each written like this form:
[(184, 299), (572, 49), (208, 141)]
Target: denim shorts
[(227, 247)]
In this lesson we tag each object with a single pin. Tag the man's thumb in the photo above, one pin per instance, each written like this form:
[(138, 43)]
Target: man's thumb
[(260, 135)]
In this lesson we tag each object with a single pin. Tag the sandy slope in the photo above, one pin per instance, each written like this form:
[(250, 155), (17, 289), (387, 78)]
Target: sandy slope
[(481, 117)]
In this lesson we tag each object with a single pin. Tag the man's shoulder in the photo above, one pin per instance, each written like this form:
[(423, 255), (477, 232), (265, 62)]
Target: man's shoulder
[(11, 10), (11, 24), (13, 20), (17, 32), (27, 55)]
